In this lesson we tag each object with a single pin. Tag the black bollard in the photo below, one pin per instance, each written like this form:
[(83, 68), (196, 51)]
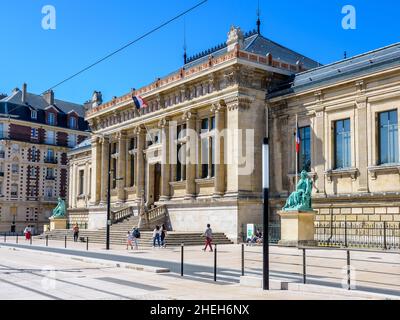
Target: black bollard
[(182, 253), (215, 263), (65, 242), (47, 241), (242, 259), (87, 244)]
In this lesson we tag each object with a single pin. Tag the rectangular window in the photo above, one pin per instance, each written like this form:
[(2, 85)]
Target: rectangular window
[(15, 168), (2, 152), (132, 177), (81, 182), (212, 123), (204, 158), (50, 173), (388, 137), (14, 191), (72, 140), (50, 138), (72, 123), (1, 130), (204, 125), (33, 114), (49, 192), (50, 156), (34, 134), (51, 119), (342, 144), (212, 157), (304, 160)]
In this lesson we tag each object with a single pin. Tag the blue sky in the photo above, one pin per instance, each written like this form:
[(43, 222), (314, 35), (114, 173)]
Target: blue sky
[(89, 29)]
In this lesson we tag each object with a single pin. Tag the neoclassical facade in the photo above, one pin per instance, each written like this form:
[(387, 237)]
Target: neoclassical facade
[(171, 153), (196, 147), (348, 115)]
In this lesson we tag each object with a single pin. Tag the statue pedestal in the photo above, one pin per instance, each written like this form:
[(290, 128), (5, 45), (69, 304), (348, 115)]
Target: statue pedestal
[(58, 224), (297, 228)]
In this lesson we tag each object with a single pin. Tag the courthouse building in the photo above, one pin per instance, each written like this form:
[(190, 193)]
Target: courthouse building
[(36, 132), (248, 88)]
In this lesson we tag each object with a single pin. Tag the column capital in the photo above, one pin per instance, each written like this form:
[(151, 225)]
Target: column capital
[(189, 115), (218, 107), (139, 130), (163, 122), (239, 102)]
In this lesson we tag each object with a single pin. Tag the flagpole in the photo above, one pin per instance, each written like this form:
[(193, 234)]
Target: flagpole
[(297, 155)]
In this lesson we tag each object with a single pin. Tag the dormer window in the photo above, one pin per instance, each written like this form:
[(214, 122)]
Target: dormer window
[(73, 122), (33, 114), (51, 119)]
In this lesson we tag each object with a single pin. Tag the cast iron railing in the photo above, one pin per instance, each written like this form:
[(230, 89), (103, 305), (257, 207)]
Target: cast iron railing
[(384, 235)]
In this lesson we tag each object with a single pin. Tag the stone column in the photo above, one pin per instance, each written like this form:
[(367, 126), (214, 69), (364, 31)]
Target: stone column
[(362, 152), (141, 140), (96, 171), (318, 150), (104, 170), (219, 151), (191, 154), (165, 165), (121, 172)]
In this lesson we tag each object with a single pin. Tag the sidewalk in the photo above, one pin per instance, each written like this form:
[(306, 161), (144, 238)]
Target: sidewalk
[(324, 267)]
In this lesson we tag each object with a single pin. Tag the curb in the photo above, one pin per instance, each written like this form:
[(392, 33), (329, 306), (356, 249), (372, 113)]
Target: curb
[(102, 262), (256, 282)]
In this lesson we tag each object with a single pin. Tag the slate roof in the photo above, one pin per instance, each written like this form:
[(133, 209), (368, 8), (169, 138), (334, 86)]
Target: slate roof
[(38, 102), (363, 64), (84, 144), (258, 44)]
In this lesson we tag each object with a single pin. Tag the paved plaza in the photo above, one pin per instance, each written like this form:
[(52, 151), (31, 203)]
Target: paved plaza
[(40, 272)]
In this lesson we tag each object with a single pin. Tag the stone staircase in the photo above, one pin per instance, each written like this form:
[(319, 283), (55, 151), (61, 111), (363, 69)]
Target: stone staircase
[(118, 232)]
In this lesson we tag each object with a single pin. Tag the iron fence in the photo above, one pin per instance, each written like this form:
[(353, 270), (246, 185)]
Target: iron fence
[(274, 231), (383, 235), (81, 225)]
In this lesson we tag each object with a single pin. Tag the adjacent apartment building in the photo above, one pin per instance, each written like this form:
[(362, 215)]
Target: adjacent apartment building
[(36, 132)]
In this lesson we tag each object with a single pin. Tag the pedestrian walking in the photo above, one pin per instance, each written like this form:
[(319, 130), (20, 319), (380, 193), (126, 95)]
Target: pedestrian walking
[(129, 239), (27, 233), (163, 235), (209, 236), (136, 236), (76, 232), (157, 236)]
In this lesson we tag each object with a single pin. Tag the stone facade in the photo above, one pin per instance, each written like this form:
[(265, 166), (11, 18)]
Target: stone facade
[(220, 91), (366, 190)]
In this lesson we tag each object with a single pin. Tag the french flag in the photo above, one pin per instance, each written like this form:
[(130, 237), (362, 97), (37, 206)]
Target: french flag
[(297, 139), (139, 102)]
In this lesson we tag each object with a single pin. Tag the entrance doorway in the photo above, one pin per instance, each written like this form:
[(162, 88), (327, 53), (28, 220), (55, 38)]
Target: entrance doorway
[(157, 182)]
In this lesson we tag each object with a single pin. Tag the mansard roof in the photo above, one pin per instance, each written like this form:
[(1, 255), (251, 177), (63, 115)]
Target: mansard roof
[(257, 44), (38, 102), (367, 63)]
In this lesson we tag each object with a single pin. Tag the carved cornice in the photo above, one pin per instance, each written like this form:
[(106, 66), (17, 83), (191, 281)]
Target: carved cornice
[(218, 107)]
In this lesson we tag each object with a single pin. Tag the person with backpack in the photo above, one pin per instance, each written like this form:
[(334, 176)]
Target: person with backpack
[(136, 236), (156, 237), (163, 235)]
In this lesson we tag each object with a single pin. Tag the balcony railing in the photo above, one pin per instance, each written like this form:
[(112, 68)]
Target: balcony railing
[(50, 160)]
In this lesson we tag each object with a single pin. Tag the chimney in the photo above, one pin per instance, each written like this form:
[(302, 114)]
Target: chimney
[(24, 92), (49, 97)]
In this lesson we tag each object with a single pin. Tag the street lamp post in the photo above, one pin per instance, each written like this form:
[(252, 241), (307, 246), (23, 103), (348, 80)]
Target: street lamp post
[(108, 198), (265, 161)]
